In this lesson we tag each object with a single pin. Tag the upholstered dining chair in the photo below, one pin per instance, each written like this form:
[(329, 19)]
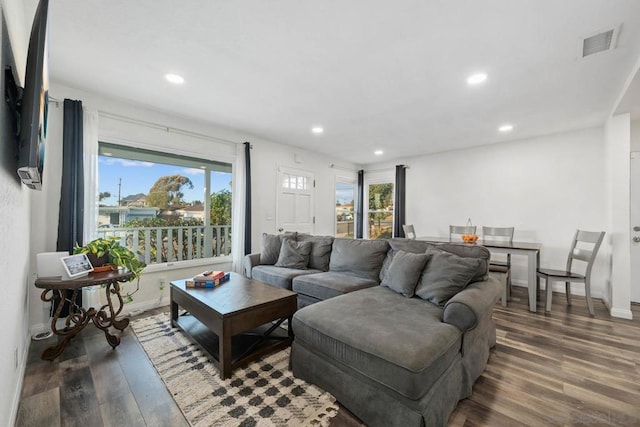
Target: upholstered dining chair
[(409, 231), (500, 263), (584, 248), (459, 230)]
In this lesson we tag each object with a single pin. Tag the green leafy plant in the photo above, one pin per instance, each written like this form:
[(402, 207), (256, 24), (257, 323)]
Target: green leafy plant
[(118, 255)]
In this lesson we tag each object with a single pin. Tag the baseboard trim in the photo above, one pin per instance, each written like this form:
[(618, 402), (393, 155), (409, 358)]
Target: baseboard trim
[(18, 390), (621, 313)]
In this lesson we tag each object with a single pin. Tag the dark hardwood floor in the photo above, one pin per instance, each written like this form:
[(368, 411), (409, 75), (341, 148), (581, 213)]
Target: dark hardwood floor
[(563, 368)]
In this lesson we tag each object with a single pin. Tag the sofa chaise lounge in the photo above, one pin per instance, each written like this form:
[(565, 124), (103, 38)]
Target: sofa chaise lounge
[(398, 331)]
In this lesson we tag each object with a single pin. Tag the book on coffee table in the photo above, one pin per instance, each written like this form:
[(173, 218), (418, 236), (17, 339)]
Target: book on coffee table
[(208, 276), (209, 282)]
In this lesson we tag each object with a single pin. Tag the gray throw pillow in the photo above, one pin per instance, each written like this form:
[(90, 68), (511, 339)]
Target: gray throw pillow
[(270, 249), (320, 250), (357, 257), (294, 254), (445, 275), (471, 251), (271, 244), (407, 245), (404, 272)]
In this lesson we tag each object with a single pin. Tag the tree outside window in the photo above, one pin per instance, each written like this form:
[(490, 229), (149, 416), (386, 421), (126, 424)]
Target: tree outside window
[(380, 211)]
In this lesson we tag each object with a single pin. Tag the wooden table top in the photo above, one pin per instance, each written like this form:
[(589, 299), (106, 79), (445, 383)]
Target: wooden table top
[(79, 282), (529, 246), (236, 295)]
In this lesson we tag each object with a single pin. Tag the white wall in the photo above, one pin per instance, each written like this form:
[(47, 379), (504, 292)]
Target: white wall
[(15, 211), (265, 157), (635, 135), (545, 187), (634, 211), (618, 143), (17, 27)]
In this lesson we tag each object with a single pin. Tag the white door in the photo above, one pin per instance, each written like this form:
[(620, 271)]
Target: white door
[(294, 210), (634, 204)]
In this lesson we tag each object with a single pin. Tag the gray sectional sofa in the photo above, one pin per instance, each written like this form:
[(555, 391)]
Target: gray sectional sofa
[(398, 331), (334, 267)]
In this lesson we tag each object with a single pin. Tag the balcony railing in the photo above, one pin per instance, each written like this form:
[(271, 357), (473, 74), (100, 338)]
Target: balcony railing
[(168, 244)]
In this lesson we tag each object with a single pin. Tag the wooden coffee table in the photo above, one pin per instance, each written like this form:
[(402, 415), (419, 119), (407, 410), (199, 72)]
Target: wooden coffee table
[(234, 311)]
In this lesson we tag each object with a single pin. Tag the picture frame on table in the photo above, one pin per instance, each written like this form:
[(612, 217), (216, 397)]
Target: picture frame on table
[(76, 265)]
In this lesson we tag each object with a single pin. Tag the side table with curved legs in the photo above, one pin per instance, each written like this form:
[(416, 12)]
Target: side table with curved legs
[(103, 318)]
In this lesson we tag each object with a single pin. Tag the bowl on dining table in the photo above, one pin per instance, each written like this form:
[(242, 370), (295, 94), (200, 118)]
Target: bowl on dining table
[(469, 238)]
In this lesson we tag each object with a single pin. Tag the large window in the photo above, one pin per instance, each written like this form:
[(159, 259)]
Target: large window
[(165, 206), (380, 211), (345, 208)]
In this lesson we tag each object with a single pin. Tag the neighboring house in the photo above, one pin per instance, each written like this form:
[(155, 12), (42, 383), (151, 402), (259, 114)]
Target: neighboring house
[(115, 216), (136, 200), (195, 211)]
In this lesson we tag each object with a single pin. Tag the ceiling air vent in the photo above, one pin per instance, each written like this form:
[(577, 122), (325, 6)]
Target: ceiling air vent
[(600, 42)]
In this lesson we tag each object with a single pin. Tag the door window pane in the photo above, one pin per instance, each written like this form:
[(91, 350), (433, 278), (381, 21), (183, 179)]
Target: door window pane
[(345, 209)]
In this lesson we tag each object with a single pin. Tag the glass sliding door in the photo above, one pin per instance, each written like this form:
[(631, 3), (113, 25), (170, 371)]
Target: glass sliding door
[(345, 208)]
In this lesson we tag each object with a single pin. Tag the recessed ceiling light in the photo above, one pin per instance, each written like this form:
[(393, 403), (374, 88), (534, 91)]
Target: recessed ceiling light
[(378, 152), (505, 128), (174, 78), (476, 79), (317, 130)]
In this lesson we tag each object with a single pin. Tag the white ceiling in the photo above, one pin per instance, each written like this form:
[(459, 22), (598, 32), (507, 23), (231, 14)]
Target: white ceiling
[(377, 74)]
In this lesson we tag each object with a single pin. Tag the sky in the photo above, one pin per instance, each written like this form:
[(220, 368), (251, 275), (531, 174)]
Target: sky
[(139, 177), (345, 192)]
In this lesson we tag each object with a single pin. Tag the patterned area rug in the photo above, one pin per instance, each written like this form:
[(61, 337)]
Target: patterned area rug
[(264, 393)]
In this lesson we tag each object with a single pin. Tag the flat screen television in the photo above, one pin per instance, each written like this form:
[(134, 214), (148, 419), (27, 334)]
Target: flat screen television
[(34, 104)]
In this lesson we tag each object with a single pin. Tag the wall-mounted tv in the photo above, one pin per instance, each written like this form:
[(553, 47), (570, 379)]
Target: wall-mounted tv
[(31, 106)]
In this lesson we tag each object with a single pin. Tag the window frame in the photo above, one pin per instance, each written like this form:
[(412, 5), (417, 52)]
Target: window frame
[(172, 151), (382, 177)]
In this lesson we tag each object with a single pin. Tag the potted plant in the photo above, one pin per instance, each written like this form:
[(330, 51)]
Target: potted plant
[(102, 251)]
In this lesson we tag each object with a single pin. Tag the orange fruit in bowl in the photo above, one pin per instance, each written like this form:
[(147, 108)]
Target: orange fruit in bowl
[(469, 238)]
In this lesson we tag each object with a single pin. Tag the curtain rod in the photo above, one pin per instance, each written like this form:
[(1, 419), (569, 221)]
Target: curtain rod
[(54, 101), (158, 126), (389, 169), (344, 168), (168, 129)]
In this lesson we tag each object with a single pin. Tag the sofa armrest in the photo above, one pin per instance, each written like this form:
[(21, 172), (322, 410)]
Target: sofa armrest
[(249, 262), (474, 302)]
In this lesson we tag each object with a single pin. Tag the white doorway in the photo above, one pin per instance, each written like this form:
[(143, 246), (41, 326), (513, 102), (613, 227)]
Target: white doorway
[(294, 209), (634, 208)]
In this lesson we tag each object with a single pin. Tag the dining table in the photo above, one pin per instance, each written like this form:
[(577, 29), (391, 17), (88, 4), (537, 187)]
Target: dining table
[(529, 249)]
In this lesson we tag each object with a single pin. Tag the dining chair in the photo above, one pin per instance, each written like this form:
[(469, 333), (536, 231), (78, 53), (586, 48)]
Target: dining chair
[(584, 248), (500, 264), (459, 230), (409, 231)]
